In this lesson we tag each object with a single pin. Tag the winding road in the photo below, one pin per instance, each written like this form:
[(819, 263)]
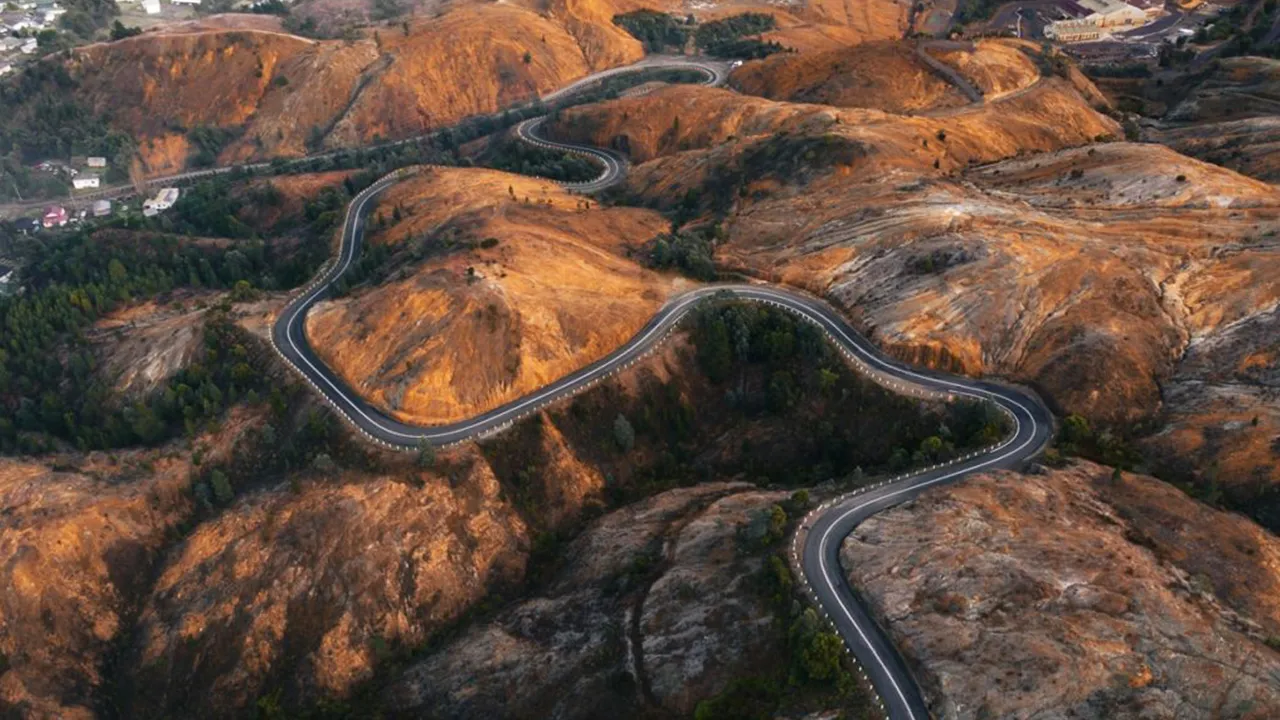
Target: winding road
[(817, 544)]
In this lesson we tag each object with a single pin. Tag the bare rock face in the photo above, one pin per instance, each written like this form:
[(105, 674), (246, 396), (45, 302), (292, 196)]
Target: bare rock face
[(655, 607), (76, 544), (1224, 414), (1227, 116), (80, 537), (302, 593), (1068, 595)]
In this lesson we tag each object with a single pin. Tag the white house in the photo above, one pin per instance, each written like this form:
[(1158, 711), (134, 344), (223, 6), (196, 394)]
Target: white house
[(102, 208), (7, 279), (29, 45), (152, 7), (96, 162), (5, 69), (161, 202), (185, 2), (85, 181)]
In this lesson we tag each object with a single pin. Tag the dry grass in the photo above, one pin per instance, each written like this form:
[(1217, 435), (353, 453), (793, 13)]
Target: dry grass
[(437, 344)]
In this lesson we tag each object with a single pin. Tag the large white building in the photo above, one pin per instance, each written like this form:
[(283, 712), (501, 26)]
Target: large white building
[(85, 181), (1103, 16), (161, 202)]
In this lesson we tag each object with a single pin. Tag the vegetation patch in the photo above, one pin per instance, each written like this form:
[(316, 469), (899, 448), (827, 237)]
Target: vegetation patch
[(514, 155), (657, 30), (44, 121), (690, 252)]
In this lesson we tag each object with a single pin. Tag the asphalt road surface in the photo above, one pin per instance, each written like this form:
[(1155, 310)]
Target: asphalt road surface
[(613, 165), (816, 547), (716, 72)]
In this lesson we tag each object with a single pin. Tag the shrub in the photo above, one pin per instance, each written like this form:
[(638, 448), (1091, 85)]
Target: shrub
[(623, 433)]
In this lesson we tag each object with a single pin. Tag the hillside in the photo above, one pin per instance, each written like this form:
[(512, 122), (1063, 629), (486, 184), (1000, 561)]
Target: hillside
[(471, 326), (236, 88), (1227, 115), (891, 76), (1091, 271), (282, 558), (885, 76), (1159, 617), (275, 94)]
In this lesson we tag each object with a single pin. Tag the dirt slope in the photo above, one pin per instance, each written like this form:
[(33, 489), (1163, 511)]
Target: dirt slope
[(299, 590), (718, 128), (889, 75), (885, 76), (1088, 272), (561, 654), (80, 536), (285, 94), (1227, 116), (1069, 593), (435, 343)]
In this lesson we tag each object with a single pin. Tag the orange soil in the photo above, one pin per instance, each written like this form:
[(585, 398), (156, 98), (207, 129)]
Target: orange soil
[(556, 293)]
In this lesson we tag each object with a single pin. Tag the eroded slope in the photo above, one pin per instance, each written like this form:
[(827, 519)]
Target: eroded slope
[(473, 327), (1074, 593)]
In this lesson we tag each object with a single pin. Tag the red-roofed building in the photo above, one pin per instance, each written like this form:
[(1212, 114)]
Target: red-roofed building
[(54, 217)]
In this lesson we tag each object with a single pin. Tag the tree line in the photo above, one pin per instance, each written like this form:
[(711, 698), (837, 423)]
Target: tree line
[(51, 382)]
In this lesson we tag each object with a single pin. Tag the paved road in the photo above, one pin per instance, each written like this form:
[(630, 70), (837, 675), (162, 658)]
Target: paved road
[(613, 165), (816, 547), (716, 72)]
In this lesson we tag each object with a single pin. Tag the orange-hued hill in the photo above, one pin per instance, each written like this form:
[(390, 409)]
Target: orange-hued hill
[(464, 331), (1229, 115), (287, 92), (281, 95), (886, 76), (1094, 271)]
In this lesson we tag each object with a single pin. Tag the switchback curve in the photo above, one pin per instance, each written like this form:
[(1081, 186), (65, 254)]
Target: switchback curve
[(816, 546)]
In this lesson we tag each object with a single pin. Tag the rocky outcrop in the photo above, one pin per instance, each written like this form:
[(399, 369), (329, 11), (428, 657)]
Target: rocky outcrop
[(300, 593), (1074, 595), (1227, 115), (653, 608), (80, 537)]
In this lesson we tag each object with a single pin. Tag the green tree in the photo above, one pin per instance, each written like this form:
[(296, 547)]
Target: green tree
[(426, 454), (222, 489), (819, 656), (623, 433), (120, 32), (323, 463)]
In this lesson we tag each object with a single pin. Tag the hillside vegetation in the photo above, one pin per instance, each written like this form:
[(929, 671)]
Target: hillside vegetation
[(269, 94), (495, 284), (1127, 283)]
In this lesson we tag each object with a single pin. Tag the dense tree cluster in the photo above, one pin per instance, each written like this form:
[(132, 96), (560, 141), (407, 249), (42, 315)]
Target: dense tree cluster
[(1244, 27), (732, 36), (49, 378), (689, 252), (657, 30), (769, 361), (207, 143), (46, 121), (969, 11), (513, 155)]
